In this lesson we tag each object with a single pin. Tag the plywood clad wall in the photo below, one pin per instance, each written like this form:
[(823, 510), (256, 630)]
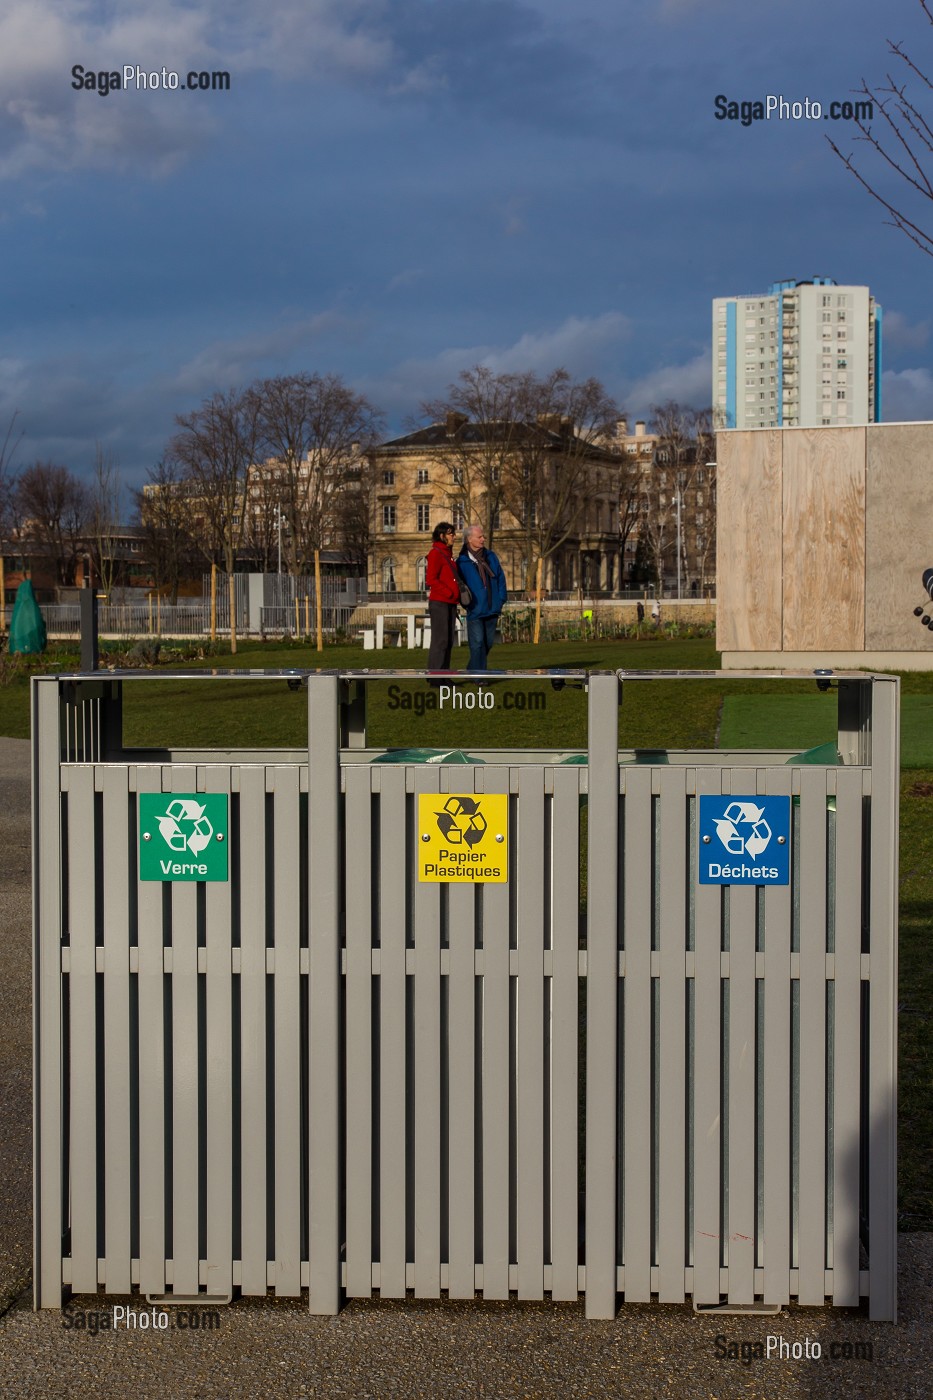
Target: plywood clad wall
[(824, 539), (748, 533), (899, 535)]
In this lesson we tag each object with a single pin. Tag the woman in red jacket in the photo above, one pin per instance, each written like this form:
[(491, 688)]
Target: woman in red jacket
[(443, 596)]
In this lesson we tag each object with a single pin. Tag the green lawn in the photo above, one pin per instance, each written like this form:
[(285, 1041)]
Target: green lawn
[(803, 721)]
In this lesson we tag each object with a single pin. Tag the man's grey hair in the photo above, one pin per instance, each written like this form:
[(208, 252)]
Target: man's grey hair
[(468, 532)]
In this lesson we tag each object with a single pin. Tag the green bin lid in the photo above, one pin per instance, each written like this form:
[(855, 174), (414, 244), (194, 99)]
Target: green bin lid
[(425, 756)]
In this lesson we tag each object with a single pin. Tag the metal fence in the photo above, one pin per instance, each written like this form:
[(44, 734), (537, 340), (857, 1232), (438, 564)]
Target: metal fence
[(600, 1078), (129, 619)]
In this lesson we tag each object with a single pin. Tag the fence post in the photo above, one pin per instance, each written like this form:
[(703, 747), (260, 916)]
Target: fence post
[(89, 647), (602, 993), (324, 876)]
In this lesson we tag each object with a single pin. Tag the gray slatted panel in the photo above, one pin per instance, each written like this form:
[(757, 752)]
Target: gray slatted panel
[(151, 982), (286, 1000), (47, 995), (847, 1047), (359, 1062), (742, 1184), (324, 864), (116, 1068), (636, 1113), (882, 1093), (393, 828), (707, 1081), (672, 1184), (565, 1032), (496, 1155), (777, 1069), (254, 1247), (219, 1068), (530, 1034), (602, 1004), (461, 1027), (185, 1070), (82, 981), (427, 993), (812, 1209)]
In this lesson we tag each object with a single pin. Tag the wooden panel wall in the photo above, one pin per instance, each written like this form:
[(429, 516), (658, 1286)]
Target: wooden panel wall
[(899, 535), (824, 539), (749, 583)]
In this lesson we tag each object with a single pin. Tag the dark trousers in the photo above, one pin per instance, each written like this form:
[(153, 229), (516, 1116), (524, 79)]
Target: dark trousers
[(481, 634), (443, 620)]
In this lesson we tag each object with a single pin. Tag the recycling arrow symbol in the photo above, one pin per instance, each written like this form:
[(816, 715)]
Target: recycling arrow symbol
[(743, 830)]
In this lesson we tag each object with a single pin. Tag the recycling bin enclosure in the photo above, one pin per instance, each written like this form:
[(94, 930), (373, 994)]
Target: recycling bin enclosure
[(591, 1023)]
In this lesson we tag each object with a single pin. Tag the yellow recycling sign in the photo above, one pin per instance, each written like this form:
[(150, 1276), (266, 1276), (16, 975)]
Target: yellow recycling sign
[(463, 838)]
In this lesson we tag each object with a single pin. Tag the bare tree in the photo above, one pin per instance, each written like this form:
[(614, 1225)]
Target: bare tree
[(164, 511), (483, 417), (353, 515), (311, 429), (559, 467), (215, 447), (903, 145), (8, 504), (55, 507), (105, 506), (674, 490)]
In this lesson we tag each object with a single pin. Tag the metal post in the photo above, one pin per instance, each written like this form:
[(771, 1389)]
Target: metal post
[(89, 648)]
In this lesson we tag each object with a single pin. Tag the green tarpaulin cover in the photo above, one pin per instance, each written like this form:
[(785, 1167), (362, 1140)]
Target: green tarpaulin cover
[(27, 629)]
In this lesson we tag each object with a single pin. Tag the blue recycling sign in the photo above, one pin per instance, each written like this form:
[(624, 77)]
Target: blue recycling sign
[(744, 840)]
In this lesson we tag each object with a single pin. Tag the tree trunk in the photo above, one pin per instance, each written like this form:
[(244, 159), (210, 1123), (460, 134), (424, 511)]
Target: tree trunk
[(213, 602), (231, 581), (538, 601)]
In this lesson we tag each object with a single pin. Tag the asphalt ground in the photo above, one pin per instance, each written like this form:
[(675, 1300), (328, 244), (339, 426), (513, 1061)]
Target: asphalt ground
[(265, 1347)]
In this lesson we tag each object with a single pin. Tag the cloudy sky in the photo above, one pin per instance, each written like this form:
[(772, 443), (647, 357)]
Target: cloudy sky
[(394, 190)]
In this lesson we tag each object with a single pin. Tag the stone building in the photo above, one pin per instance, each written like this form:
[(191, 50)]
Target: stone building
[(511, 477)]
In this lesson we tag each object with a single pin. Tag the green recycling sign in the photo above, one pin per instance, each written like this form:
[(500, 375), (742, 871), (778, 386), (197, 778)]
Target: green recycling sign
[(183, 836)]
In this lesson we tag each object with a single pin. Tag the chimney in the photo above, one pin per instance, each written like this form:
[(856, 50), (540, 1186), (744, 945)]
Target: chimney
[(639, 428)]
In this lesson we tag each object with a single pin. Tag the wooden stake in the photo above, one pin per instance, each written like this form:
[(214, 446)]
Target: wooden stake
[(297, 622), (538, 601), (307, 614), (213, 602), (150, 614), (317, 599)]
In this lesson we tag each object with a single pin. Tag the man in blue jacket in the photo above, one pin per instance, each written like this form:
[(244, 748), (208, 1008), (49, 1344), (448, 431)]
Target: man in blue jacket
[(482, 574)]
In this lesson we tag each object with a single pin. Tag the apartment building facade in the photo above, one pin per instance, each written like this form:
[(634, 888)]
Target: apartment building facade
[(804, 354)]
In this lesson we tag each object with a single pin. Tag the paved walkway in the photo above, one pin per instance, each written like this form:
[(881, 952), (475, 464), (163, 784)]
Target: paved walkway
[(266, 1348)]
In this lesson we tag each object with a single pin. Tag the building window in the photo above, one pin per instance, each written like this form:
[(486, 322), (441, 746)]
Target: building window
[(388, 478), (421, 572), (388, 576), (457, 475), (497, 518), (388, 519), (422, 476), (424, 517), (840, 393)]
